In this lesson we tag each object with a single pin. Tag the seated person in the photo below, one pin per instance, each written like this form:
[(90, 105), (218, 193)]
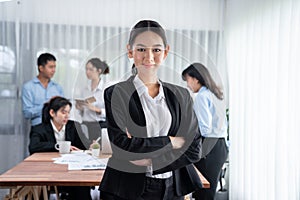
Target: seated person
[(55, 127)]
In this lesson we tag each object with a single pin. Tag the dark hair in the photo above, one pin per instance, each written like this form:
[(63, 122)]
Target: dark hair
[(96, 62), (44, 58), (200, 72), (55, 104), (147, 25)]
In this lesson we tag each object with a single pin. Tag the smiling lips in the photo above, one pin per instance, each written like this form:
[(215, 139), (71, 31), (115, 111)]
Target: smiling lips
[(148, 65)]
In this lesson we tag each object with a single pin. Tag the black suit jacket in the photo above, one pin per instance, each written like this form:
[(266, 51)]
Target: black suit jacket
[(124, 113), (42, 137)]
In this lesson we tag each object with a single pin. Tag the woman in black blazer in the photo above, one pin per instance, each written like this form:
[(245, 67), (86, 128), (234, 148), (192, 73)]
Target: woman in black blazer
[(152, 127), (56, 125), (55, 113), (42, 138)]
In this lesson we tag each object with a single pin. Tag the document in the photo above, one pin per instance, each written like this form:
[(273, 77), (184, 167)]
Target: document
[(94, 163), (81, 161), (91, 99)]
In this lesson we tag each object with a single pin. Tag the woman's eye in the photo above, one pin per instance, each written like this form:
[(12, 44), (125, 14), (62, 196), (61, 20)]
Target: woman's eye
[(141, 49), (157, 50)]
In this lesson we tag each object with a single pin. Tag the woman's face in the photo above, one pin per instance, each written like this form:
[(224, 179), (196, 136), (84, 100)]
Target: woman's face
[(91, 71), (148, 51), (61, 117), (192, 83)]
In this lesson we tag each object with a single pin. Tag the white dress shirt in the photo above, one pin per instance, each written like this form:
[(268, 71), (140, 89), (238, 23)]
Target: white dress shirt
[(87, 114), (59, 135), (157, 114)]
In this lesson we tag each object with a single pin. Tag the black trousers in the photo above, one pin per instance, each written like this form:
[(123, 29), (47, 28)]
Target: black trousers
[(155, 189), (77, 192), (211, 167)]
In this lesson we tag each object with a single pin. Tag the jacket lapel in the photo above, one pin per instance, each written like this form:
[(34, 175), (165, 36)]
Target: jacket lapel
[(50, 130), (137, 113), (174, 109)]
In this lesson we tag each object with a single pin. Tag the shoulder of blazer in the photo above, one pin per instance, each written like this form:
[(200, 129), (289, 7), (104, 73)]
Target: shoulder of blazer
[(45, 131), (124, 93), (178, 91), (126, 86), (43, 128), (70, 124), (71, 129)]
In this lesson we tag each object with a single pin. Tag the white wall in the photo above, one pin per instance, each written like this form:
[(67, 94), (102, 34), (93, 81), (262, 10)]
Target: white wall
[(198, 14)]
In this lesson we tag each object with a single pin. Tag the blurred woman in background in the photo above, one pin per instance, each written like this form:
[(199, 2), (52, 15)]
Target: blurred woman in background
[(211, 113), (93, 112)]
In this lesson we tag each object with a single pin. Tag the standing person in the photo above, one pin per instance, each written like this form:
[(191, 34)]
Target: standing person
[(40, 89), (152, 127), (211, 113), (57, 127), (93, 114)]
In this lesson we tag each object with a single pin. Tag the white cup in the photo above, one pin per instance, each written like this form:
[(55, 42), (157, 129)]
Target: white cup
[(96, 152), (63, 146)]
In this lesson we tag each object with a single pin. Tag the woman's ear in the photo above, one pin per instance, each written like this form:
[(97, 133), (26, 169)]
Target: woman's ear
[(52, 113), (129, 51), (166, 51), (100, 71)]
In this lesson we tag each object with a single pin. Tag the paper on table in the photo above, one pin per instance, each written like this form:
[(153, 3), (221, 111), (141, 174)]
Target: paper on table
[(81, 161), (72, 158), (94, 163)]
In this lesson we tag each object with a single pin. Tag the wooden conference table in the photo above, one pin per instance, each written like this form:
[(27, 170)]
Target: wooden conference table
[(39, 170)]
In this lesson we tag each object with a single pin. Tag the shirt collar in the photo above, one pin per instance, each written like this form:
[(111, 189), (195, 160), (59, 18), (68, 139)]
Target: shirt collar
[(36, 80), (99, 87), (141, 88), (54, 127)]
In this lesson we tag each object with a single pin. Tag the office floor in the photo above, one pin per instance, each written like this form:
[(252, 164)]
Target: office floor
[(95, 194)]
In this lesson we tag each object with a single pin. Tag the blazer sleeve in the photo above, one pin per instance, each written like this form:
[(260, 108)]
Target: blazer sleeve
[(41, 139), (117, 115), (188, 128)]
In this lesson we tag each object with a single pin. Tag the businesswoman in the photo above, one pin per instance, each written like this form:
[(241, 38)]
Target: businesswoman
[(211, 113), (152, 127), (55, 127), (93, 114)]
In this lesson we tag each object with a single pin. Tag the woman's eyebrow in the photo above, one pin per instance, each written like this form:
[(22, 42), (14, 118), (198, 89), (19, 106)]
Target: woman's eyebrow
[(156, 45)]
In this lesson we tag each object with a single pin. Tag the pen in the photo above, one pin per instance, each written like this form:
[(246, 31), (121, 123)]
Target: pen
[(97, 139)]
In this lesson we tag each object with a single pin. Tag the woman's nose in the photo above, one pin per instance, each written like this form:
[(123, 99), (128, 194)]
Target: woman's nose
[(149, 54)]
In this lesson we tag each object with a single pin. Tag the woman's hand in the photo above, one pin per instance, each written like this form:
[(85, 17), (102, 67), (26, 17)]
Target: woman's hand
[(73, 148), (177, 142), (142, 162), (128, 134), (93, 108), (79, 106)]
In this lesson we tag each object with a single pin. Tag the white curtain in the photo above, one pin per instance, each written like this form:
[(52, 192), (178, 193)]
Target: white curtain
[(263, 45)]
